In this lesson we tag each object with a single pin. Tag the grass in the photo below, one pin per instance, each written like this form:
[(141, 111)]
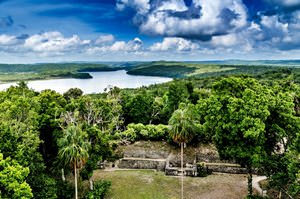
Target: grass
[(202, 69), (148, 184), (176, 69)]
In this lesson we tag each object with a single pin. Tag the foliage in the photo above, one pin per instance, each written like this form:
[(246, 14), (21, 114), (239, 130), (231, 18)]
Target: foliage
[(183, 124), (255, 122), (65, 190), (73, 149), (73, 93), (73, 146), (254, 125), (12, 180), (139, 131), (100, 150), (44, 187), (176, 69), (136, 107), (203, 171), (177, 93), (236, 113), (51, 107), (18, 72), (100, 190)]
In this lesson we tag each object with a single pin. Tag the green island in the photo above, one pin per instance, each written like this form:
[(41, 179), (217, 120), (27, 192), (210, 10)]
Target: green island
[(240, 125)]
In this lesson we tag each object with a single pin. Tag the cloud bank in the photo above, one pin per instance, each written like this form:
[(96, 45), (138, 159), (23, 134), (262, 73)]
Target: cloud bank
[(218, 24), (201, 20)]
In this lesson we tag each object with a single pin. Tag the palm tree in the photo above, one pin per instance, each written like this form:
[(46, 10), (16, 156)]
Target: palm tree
[(183, 127), (73, 150)]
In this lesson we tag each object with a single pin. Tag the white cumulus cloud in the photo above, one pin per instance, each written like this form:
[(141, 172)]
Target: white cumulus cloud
[(202, 20), (6, 40), (54, 42), (118, 46), (174, 44), (105, 39)]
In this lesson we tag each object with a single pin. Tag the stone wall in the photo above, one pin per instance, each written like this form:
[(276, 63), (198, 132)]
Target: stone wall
[(225, 168), (165, 157), (137, 163)]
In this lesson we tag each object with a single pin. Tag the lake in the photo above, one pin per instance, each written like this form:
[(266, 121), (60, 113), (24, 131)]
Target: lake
[(100, 81)]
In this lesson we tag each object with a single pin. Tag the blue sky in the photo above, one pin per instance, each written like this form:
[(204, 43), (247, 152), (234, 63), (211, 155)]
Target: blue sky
[(138, 30)]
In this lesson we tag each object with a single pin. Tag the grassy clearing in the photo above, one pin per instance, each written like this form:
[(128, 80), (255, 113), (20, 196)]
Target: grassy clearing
[(202, 69), (176, 69), (148, 184)]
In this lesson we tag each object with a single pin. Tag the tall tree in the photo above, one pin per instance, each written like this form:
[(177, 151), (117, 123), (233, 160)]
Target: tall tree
[(183, 127), (282, 163), (236, 111), (73, 150)]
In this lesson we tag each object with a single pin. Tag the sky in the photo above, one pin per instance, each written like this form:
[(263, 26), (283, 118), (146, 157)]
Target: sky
[(33, 31)]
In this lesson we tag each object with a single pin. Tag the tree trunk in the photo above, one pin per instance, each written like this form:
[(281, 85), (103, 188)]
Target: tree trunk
[(91, 184), (63, 175), (279, 196), (250, 189), (75, 175), (182, 172)]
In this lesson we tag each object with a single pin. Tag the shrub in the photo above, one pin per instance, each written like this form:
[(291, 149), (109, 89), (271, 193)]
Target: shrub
[(65, 190), (139, 131), (203, 171), (101, 189)]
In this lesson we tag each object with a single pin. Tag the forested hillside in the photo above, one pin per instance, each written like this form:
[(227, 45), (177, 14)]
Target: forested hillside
[(20, 72), (47, 137)]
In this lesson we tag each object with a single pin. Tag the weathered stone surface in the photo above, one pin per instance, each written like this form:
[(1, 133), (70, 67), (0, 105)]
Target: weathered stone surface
[(171, 171), (144, 149), (165, 157), (176, 171), (135, 163), (225, 168)]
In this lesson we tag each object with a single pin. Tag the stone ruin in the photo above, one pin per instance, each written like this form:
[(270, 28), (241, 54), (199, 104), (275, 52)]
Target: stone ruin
[(163, 157)]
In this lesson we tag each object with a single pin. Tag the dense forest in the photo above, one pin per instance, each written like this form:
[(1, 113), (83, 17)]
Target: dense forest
[(47, 136)]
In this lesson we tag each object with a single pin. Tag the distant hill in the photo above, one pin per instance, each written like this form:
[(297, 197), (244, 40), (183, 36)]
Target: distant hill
[(19, 72), (173, 69), (254, 62)]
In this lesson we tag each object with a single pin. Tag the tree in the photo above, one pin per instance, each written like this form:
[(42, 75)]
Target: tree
[(282, 163), (73, 149), (51, 107), (73, 93), (20, 137), (183, 126), (236, 111), (12, 180), (137, 107), (99, 151), (176, 94)]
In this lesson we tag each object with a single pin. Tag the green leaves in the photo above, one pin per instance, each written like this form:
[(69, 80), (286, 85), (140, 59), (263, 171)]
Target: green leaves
[(256, 125), (12, 180), (236, 112), (139, 131), (74, 146), (184, 124)]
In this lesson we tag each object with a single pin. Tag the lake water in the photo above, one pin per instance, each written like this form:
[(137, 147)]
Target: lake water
[(100, 81)]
